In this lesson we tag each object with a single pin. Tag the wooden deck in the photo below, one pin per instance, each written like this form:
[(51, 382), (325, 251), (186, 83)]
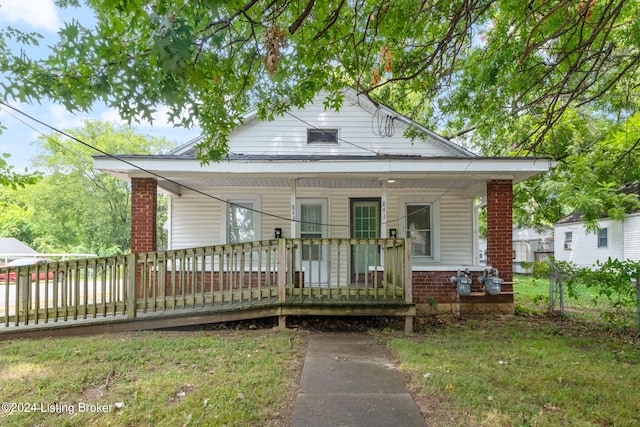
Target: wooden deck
[(78, 323), (203, 285)]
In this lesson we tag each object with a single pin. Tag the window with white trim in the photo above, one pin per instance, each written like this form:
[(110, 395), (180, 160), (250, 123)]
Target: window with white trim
[(419, 229), (241, 222), (568, 240), (603, 235)]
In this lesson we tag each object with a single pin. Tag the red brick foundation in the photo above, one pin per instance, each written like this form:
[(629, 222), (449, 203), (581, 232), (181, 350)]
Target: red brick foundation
[(433, 292)]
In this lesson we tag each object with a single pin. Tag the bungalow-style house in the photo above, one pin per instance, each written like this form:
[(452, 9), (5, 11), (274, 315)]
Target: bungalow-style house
[(316, 173)]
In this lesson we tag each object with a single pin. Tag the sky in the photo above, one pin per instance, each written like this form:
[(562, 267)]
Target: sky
[(43, 17)]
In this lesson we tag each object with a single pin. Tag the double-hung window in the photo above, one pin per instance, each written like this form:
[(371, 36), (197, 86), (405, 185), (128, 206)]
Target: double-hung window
[(241, 222), (568, 240), (603, 237), (419, 229)]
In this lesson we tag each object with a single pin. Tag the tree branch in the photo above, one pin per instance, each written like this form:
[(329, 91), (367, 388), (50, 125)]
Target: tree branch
[(307, 10)]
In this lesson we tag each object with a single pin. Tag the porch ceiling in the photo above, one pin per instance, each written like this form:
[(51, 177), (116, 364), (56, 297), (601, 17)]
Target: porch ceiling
[(332, 182)]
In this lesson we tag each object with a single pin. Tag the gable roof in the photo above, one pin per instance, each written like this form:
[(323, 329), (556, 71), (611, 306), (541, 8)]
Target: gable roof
[(276, 152), (352, 98), (10, 245)]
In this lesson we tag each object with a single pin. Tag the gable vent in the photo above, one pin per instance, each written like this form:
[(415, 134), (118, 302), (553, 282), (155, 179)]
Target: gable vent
[(322, 136)]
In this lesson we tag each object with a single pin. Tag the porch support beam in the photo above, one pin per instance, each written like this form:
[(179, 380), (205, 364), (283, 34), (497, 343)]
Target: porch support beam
[(499, 227), (144, 197), (383, 208), (294, 214)]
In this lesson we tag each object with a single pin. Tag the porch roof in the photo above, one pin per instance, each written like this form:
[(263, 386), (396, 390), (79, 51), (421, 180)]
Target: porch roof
[(331, 171)]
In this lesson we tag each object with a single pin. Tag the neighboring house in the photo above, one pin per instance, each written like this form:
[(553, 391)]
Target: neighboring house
[(531, 245), (614, 239), (318, 173), (11, 248)]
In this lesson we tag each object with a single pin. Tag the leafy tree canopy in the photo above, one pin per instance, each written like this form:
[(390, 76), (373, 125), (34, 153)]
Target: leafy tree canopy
[(595, 161), (508, 70), (74, 207), (506, 77)]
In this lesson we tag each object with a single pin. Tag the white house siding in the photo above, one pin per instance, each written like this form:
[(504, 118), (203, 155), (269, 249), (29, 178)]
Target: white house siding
[(287, 135), (584, 250), (195, 219), (456, 231), (631, 236)]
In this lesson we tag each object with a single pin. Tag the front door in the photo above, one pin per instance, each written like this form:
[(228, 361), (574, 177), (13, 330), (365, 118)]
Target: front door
[(365, 224), (312, 227)]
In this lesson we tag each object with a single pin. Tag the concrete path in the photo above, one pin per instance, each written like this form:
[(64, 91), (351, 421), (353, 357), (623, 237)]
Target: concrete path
[(348, 381)]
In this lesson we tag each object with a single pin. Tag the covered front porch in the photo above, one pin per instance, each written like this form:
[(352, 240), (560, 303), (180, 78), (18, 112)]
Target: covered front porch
[(430, 200)]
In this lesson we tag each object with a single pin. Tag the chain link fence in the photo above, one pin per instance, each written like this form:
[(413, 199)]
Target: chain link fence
[(610, 289)]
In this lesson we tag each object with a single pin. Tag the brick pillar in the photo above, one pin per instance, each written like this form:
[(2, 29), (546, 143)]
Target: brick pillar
[(144, 196), (499, 227)]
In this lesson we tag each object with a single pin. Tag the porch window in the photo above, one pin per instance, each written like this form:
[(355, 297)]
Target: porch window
[(603, 238), (419, 229), (240, 222)]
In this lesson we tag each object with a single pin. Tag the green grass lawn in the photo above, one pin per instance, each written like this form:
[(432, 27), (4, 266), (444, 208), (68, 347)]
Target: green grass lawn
[(521, 371), (235, 378), (532, 297)]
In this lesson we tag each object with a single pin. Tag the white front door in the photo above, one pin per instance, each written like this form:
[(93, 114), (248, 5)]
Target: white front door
[(312, 226)]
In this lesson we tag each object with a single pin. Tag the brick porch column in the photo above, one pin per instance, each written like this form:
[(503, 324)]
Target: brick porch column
[(499, 227), (144, 197)]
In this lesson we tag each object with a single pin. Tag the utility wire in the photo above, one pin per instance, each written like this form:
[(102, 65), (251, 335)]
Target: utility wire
[(157, 175)]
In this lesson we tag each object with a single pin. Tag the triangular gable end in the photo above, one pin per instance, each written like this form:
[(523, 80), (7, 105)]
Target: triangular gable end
[(362, 128)]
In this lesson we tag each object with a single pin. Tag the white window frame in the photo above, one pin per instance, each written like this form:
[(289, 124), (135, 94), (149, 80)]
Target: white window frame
[(435, 226), (324, 202), (231, 199), (568, 243), (604, 237)]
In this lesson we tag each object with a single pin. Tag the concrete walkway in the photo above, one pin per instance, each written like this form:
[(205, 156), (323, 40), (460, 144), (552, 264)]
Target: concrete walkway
[(348, 381)]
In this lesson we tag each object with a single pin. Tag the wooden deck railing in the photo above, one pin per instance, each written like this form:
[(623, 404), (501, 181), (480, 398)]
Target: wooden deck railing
[(282, 271)]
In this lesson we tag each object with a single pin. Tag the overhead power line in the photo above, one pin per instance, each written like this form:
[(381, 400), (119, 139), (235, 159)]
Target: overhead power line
[(195, 190)]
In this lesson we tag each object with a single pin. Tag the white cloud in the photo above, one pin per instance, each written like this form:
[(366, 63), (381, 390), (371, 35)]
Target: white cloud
[(112, 115), (63, 119), (40, 14)]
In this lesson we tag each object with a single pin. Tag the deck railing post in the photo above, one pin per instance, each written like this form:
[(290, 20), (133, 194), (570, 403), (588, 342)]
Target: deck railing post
[(282, 279), (22, 285), (408, 286), (132, 267), (282, 270), (408, 275)]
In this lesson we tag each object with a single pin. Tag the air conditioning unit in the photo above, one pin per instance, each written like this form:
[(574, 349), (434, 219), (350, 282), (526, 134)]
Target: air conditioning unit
[(567, 246)]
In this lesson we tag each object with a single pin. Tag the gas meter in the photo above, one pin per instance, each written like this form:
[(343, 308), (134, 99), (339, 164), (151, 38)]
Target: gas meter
[(491, 282), (462, 282)]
